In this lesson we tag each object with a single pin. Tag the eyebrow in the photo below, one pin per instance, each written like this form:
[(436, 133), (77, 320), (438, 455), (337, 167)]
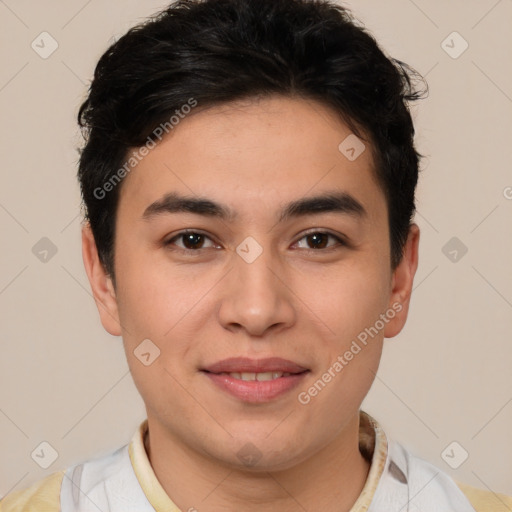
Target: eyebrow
[(338, 202)]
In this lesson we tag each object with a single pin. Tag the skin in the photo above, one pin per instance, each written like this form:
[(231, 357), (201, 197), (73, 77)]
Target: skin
[(294, 301)]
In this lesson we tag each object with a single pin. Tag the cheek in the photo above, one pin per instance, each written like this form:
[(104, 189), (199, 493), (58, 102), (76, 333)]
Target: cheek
[(349, 299), (153, 295), (160, 388), (357, 298), (167, 305)]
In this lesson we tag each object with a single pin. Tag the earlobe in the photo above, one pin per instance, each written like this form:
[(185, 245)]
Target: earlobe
[(402, 282), (101, 284)]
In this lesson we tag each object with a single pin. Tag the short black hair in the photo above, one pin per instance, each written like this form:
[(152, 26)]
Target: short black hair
[(220, 51)]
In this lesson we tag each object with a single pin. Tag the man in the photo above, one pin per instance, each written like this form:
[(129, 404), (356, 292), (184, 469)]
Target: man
[(249, 176)]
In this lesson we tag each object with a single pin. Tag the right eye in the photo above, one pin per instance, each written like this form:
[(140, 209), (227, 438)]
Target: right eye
[(193, 241)]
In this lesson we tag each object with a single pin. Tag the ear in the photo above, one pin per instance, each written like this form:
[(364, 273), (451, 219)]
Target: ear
[(101, 283), (402, 281)]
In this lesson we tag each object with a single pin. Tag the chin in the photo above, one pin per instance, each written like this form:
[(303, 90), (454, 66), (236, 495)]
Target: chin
[(259, 452)]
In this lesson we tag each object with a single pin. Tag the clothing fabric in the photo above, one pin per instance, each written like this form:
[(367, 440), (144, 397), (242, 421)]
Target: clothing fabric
[(124, 481)]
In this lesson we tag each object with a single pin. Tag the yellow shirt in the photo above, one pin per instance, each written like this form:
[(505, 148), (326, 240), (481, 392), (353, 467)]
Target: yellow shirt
[(392, 470)]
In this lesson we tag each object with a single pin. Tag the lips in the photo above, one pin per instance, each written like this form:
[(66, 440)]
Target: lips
[(255, 380)]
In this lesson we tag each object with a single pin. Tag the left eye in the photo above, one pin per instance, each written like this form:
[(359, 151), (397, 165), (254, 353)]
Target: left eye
[(194, 241), (319, 240), (191, 240)]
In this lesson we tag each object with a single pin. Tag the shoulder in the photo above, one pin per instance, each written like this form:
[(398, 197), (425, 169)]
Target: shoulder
[(443, 491), (486, 501), (90, 476), (42, 495)]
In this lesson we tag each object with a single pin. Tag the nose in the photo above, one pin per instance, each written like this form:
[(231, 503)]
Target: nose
[(257, 296)]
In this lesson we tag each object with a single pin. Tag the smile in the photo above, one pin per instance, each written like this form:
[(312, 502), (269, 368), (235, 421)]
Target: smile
[(260, 377)]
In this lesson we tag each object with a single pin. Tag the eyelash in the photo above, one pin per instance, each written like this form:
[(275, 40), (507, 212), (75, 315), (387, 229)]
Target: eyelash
[(168, 243)]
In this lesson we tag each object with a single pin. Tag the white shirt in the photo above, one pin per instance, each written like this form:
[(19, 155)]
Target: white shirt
[(398, 481)]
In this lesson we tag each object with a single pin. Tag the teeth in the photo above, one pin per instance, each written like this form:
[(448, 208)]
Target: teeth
[(263, 376), (268, 375)]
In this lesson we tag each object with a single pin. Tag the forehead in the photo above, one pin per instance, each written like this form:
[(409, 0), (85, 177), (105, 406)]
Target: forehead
[(254, 153)]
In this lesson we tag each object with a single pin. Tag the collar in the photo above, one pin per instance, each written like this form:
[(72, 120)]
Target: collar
[(373, 445)]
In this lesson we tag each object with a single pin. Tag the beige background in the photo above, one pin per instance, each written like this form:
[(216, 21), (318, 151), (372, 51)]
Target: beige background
[(446, 378)]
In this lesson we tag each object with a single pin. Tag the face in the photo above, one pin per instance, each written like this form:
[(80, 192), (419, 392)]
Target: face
[(277, 265)]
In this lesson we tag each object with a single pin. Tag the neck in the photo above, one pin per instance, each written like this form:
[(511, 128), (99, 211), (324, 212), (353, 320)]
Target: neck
[(331, 480)]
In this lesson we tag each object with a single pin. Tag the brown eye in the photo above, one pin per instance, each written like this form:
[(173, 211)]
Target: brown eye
[(190, 241), (319, 240)]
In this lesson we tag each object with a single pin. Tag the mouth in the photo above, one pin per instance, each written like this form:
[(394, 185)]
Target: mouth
[(260, 376), (255, 380)]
